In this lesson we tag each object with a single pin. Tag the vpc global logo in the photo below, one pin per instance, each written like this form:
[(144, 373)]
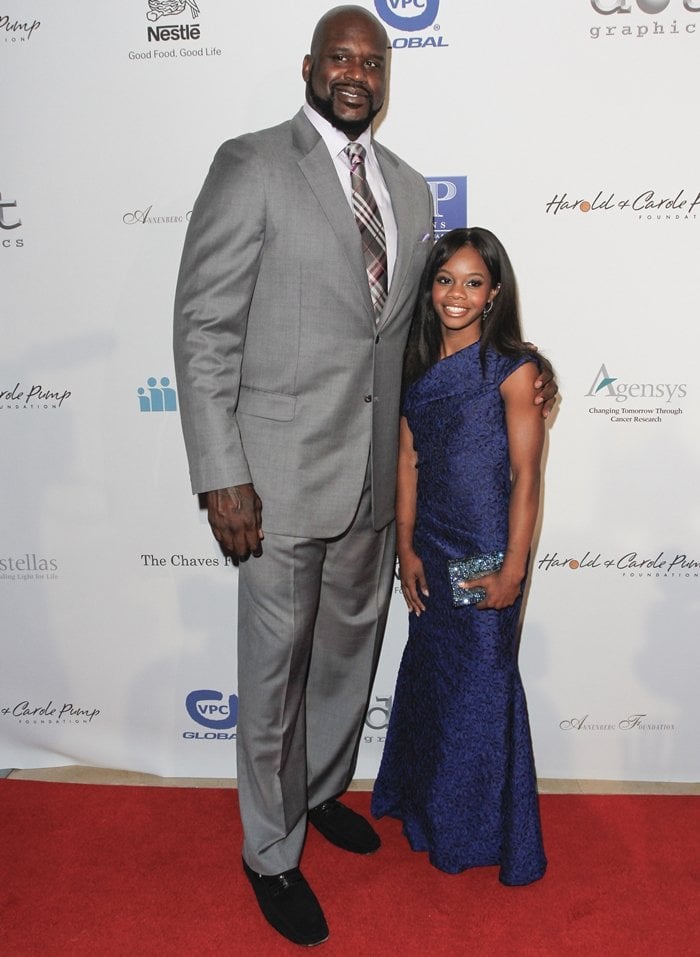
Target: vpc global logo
[(412, 17), (208, 708), (449, 202)]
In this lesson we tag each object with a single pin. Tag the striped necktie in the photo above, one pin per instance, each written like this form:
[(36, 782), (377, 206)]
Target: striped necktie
[(371, 228)]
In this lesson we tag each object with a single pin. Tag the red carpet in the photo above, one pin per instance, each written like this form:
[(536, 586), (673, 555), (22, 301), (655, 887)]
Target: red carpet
[(102, 871)]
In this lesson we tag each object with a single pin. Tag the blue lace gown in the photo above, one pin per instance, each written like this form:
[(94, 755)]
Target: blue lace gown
[(458, 767)]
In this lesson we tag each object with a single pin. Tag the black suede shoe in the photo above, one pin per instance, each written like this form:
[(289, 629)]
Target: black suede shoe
[(290, 906), (344, 827)]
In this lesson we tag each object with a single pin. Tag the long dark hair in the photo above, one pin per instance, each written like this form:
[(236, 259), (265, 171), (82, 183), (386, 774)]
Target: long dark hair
[(501, 331)]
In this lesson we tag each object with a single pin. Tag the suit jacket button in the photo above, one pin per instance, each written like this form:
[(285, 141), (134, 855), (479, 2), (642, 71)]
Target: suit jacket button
[(368, 398)]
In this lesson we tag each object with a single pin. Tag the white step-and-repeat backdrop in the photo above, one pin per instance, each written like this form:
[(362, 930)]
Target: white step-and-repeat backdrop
[(569, 127)]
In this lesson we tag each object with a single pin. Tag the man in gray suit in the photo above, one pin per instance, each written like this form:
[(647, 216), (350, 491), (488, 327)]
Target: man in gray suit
[(289, 372)]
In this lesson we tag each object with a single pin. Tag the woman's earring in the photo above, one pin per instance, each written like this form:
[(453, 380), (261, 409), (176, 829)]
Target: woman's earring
[(487, 309)]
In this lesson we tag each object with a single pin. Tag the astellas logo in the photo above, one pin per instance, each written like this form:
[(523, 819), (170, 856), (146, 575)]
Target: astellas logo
[(412, 16), (209, 709), (449, 202)]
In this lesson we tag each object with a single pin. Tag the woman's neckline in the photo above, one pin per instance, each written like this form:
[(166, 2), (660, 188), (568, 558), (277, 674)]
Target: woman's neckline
[(458, 351)]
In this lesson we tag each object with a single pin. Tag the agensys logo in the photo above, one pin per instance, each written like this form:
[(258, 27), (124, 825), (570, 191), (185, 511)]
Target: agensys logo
[(449, 202), (412, 16), (612, 387), (157, 397), (208, 708)]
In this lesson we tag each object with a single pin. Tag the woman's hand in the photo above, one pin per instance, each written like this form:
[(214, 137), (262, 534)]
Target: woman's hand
[(413, 583), (501, 591)]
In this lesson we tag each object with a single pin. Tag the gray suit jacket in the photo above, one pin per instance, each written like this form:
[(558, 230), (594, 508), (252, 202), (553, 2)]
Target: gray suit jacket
[(284, 379)]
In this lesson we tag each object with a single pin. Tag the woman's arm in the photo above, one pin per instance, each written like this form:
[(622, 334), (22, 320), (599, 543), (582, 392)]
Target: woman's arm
[(411, 570), (525, 427)]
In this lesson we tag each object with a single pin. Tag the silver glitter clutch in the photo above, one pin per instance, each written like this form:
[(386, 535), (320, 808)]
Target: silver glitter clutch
[(467, 569)]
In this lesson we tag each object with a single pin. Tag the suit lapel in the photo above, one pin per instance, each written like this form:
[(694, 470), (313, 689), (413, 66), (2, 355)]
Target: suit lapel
[(405, 228), (319, 171)]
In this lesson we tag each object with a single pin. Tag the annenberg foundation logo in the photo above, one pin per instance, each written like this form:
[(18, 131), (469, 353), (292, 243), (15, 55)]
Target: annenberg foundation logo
[(449, 202), (645, 205), (622, 401), (672, 19), (633, 721), (147, 217), (9, 222), (209, 709), (411, 17)]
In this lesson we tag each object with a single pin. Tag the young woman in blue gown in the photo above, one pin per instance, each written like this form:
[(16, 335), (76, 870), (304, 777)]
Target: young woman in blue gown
[(458, 766)]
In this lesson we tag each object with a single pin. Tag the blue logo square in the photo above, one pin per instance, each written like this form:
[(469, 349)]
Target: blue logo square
[(449, 203)]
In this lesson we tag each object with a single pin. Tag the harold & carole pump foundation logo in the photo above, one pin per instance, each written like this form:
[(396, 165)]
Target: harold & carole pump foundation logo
[(646, 205), (632, 564)]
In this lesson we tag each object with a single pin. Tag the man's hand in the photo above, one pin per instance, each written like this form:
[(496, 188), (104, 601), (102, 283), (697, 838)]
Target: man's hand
[(545, 384), (235, 516)]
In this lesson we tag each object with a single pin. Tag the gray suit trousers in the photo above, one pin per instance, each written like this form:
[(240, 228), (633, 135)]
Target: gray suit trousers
[(311, 616)]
